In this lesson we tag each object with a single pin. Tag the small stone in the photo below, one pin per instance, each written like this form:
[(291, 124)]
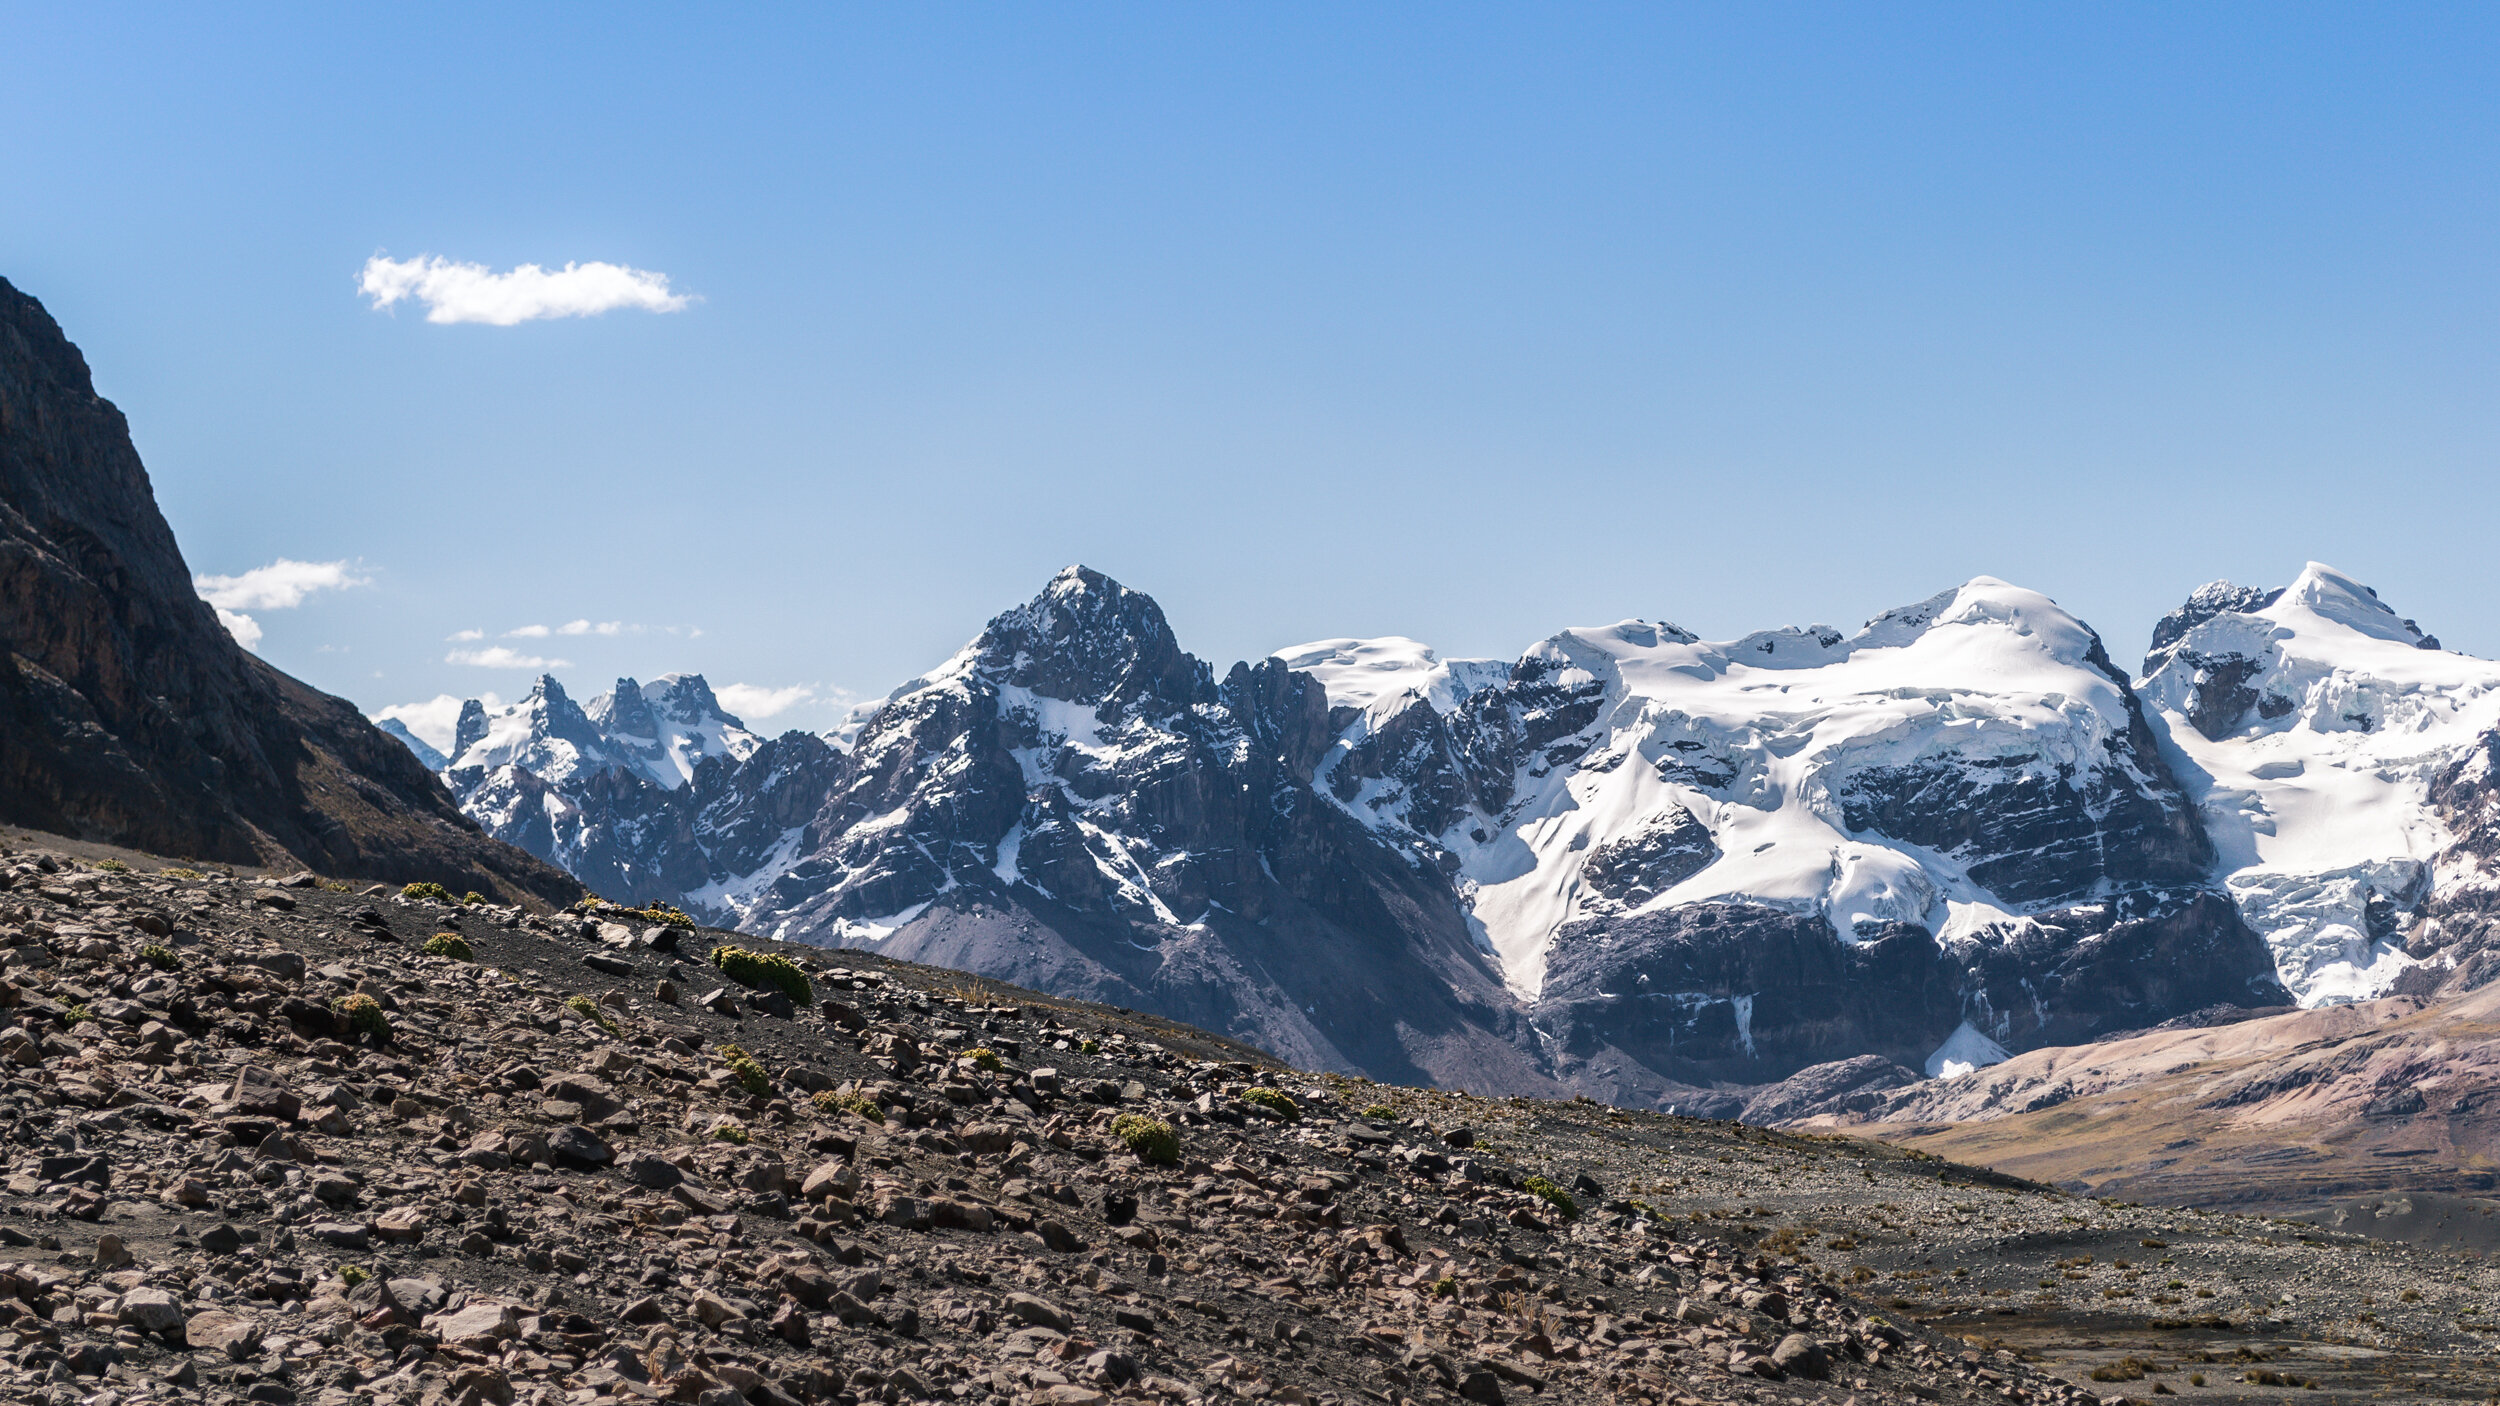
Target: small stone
[(481, 1321), (150, 1310), (1802, 1356), (215, 1330), (576, 1145), (652, 1170), (828, 1178), (259, 1091), (401, 1224), (341, 1235), (1039, 1312)]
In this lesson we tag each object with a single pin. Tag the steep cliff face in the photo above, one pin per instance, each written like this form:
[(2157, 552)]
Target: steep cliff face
[(129, 714)]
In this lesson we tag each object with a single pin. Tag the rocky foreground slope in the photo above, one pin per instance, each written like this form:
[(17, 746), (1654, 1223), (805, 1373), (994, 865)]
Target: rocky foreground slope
[(263, 1146), (128, 713)]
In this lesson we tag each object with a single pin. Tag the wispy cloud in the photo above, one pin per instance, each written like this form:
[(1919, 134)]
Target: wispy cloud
[(501, 657), (570, 627), (753, 701), (464, 636), (281, 585), (455, 292)]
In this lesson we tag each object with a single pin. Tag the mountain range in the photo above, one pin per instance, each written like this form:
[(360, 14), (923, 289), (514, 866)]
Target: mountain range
[(1631, 862)]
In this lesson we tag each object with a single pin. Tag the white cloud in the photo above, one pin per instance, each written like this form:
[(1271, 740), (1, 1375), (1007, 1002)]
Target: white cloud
[(527, 632), (455, 292), (584, 627), (751, 701), (437, 719), (500, 657), (244, 628), (464, 636), (281, 585)]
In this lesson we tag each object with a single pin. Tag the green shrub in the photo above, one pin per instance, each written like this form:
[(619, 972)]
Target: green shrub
[(985, 1058), (112, 866), (177, 872), (1275, 1101), (1090, 1047), (78, 1015), (1554, 1196), (588, 1009), (730, 1130), (764, 969), (1151, 1139), (449, 944), (1380, 1110), (662, 913), (352, 1275), (160, 956), (365, 1018), (1445, 1288), (750, 1075), (472, 898), (415, 893), (859, 1104)]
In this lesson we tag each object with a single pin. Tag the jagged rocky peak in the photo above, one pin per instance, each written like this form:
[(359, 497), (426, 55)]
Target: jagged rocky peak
[(657, 732), (546, 733), (1064, 748), (1088, 639), (665, 728)]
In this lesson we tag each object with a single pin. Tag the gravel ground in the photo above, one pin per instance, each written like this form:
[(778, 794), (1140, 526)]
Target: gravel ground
[(551, 1182)]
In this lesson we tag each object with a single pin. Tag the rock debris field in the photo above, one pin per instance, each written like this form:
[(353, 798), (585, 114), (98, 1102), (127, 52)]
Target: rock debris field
[(278, 1140)]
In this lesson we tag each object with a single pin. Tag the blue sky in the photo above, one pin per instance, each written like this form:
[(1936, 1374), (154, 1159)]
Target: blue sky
[(1465, 323)]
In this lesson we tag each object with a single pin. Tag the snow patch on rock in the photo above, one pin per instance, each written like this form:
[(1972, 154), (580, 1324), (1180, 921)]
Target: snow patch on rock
[(1963, 1051)]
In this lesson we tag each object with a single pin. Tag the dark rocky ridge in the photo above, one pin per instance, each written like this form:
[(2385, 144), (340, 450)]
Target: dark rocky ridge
[(126, 710)]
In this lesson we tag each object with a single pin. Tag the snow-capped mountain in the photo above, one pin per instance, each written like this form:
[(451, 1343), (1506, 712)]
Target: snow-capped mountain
[(657, 731), (2318, 733), (615, 792), (1073, 802), (1631, 861), (1954, 827)]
